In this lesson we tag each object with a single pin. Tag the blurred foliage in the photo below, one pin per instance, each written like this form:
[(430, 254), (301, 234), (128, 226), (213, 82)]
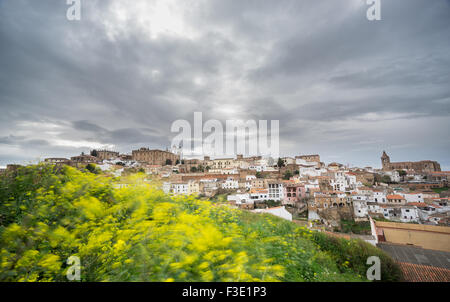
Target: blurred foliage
[(355, 227), (134, 232)]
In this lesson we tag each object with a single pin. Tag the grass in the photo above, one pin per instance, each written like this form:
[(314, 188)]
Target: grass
[(351, 226), (220, 198), (440, 190)]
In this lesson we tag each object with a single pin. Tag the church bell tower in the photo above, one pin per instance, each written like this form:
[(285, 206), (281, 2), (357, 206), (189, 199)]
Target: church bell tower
[(385, 161)]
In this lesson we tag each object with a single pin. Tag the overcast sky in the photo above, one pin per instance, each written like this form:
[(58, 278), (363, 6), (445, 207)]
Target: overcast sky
[(340, 85)]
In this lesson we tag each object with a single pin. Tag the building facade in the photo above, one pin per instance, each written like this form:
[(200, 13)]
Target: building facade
[(426, 166), (106, 154), (154, 157)]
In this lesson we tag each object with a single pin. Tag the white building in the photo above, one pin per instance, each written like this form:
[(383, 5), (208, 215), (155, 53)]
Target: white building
[(358, 197), (394, 175), (230, 183), (312, 185), (401, 213), (310, 171), (250, 177), (351, 180), (425, 210), (302, 162), (339, 182), (374, 208), (360, 208), (276, 191), (259, 195), (379, 197), (257, 168), (364, 191), (277, 211), (412, 197), (240, 198), (179, 188), (409, 214)]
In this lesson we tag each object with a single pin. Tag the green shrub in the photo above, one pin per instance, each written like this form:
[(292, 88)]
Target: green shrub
[(352, 255)]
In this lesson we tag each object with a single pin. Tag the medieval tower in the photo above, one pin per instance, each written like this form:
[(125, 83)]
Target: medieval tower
[(385, 161)]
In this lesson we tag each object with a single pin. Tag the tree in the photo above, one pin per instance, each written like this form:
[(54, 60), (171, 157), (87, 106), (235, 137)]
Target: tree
[(168, 162), (258, 175), (94, 153), (401, 172), (92, 168), (287, 175), (386, 179), (280, 163), (193, 169), (296, 172), (177, 162)]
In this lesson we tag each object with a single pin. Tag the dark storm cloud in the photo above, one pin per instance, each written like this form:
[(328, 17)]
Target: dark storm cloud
[(120, 136), (119, 77), (88, 126), (10, 140)]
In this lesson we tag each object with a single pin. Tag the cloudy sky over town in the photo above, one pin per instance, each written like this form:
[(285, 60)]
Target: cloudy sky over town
[(340, 85)]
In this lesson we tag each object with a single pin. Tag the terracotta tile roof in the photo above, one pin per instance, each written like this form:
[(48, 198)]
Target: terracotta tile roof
[(259, 190), (395, 196), (424, 273)]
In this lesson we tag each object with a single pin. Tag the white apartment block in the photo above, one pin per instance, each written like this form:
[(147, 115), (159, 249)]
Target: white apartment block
[(276, 191)]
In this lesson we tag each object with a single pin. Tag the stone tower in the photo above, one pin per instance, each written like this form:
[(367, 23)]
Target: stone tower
[(385, 161)]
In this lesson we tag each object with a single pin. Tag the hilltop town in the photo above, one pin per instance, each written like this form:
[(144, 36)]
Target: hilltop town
[(301, 188), (401, 208)]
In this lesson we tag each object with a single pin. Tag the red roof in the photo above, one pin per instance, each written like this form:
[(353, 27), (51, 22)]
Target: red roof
[(424, 273), (395, 196)]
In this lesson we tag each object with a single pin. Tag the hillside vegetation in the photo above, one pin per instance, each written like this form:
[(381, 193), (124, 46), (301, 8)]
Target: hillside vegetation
[(137, 233)]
